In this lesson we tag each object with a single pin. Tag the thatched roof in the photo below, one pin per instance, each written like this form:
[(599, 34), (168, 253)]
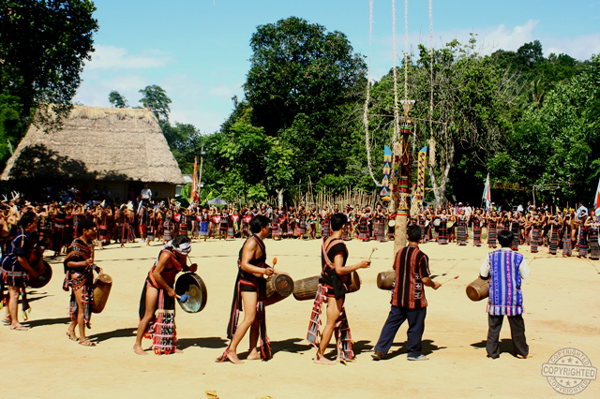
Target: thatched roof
[(97, 144)]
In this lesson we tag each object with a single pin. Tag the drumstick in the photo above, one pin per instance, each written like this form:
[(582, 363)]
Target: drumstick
[(372, 250), (183, 298), (592, 263), (454, 278)]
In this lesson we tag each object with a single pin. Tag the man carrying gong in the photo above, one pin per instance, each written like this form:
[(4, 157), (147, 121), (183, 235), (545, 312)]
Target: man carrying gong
[(157, 304)]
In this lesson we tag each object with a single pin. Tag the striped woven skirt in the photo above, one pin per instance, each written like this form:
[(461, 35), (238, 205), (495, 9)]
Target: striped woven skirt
[(380, 231), (594, 245), (535, 239), (492, 235), (325, 229), (583, 244), (461, 234), (363, 231), (476, 234), (443, 234), (567, 247), (516, 236), (553, 242)]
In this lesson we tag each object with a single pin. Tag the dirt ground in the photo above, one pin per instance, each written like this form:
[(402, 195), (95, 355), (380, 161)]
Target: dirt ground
[(562, 310)]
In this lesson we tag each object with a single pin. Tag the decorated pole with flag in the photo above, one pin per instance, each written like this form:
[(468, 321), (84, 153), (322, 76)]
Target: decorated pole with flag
[(387, 160), (194, 193), (487, 194), (422, 165)]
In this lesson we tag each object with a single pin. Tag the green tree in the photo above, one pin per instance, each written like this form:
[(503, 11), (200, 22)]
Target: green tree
[(155, 98), (43, 45), (117, 100), (300, 78)]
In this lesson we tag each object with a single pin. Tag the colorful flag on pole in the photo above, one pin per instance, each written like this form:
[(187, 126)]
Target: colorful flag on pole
[(487, 194), (421, 175), (387, 159), (194, 193)]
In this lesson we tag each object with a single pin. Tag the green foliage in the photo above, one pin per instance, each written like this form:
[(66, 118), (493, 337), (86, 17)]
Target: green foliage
[(117, 100), (43, 45), (155, 98)]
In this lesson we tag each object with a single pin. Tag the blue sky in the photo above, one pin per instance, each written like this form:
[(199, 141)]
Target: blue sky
[(198, 50)]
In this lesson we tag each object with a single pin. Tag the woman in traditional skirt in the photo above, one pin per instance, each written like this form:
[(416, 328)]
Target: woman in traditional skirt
[(443, 228), (58, 232), (301, 222), (233, 219), (582, 236), (554, 234), (567, 244), (223, 223), (493, 229), (363, 227), (379, 223), (477, 221), (167, 228), (515, 228), (461, 228), (422, 222), (312, 223), (592, 225)]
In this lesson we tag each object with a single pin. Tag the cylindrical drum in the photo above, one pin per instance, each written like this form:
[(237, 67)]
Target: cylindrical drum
[(191, 284), (306, 288), (478, 289), (279, 287), (35, 283), (385, 280), (102, 287)]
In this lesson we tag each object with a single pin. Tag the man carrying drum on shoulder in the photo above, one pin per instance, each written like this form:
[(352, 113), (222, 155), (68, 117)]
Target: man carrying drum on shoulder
[(335, 276), (157, 304), (79, 276)]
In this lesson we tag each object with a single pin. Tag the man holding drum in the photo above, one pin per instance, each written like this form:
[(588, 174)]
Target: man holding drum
[(250, 292), (79, 276), (505, 268), (408, 299), (332, 289), (157, 304), (16, 269)]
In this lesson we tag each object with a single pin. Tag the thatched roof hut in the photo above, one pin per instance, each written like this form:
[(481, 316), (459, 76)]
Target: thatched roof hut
[(97, 144)]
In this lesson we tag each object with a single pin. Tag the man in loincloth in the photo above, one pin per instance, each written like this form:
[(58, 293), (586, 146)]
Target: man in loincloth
[(79, 277), (333, 285), (505, 269), (16, 269), (408, 299), (157, 304), (249, 294)]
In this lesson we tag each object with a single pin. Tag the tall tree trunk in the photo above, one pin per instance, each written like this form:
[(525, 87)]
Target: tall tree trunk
[(280, 196), (439, 183)]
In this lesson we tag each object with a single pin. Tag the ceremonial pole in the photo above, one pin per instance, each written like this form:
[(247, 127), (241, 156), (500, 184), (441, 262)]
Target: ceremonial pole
[(402, 163)]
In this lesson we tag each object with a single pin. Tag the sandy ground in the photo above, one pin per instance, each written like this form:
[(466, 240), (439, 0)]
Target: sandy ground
[(562, 310)]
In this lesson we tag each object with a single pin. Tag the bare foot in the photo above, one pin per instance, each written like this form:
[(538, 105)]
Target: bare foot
[(18, 327), (177, 350), (253, 355), (233, 358), (71, 335), (138, 349), (322, 360), (85, 342)]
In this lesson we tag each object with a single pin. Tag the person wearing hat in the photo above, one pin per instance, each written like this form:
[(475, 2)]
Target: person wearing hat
[(79, 277), (157, 304)]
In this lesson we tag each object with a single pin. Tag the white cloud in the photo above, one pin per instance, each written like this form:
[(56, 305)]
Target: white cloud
[(508, 39), (113, 57)]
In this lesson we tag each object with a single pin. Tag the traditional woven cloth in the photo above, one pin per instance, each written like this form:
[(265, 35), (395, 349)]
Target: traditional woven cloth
[(505, 297)]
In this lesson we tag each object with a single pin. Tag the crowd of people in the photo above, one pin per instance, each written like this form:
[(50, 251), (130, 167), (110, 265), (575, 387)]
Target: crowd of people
[(565, 229)]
